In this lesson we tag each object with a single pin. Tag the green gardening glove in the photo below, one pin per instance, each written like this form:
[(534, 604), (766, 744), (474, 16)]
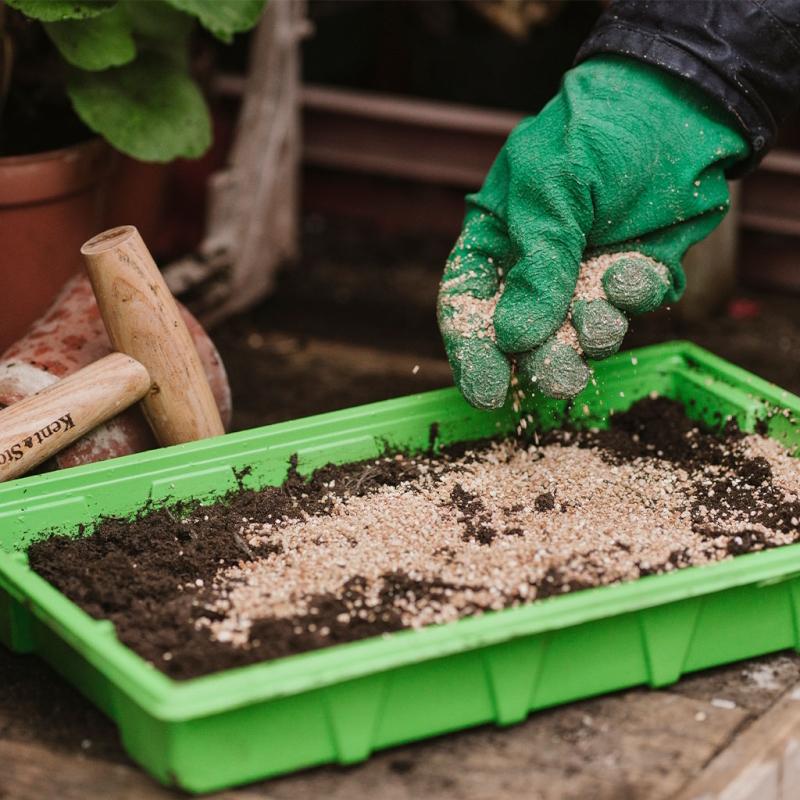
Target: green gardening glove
[(583, 219)]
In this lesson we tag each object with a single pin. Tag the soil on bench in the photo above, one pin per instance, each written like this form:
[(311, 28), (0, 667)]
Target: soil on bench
[(401, 542)]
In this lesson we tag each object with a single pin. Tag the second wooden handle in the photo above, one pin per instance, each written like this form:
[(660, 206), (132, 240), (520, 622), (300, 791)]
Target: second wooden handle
[(143, 320), (40, 426)]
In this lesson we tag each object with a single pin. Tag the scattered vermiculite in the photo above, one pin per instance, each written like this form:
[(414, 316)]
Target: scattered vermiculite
[(403, 542)]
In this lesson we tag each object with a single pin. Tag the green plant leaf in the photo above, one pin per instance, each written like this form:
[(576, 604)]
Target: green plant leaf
[(223, 17), (157, 21), (58, 10), (159, 27), (150, 109), (97, 43)]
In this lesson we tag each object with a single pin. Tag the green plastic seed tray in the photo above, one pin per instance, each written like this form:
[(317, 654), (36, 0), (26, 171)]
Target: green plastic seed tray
[(342, 703)]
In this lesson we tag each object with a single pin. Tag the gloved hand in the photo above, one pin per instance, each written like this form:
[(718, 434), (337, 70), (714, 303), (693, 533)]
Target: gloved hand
[(623, 170)]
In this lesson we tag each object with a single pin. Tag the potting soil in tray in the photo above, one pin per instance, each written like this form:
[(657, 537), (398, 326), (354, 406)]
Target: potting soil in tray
[(366, 549)]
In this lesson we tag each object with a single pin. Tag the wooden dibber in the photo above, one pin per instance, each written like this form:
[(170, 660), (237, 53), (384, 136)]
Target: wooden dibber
[(157, 364), (143, 321)]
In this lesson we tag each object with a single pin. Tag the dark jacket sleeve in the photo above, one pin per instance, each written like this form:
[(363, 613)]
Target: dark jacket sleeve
[(745, 53)]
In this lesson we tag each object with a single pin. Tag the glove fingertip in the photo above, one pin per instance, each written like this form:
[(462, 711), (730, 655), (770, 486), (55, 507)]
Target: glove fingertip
[(636, 285), (555, 369), (482, 373), (484, 396), (600, 326)]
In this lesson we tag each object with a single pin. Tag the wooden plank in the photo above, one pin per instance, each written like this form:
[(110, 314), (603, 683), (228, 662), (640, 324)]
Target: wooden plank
[(763, 763), (754, 686), (31, 772)]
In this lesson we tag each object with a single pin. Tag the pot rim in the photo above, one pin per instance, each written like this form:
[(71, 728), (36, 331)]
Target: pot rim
[(94, 143), (51, 174)]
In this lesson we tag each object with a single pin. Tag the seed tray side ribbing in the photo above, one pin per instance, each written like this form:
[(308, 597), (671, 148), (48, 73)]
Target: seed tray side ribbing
[(340, 704)]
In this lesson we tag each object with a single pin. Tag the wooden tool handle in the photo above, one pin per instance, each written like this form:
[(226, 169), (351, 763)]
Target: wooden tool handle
[(39, 426), (143, 321)]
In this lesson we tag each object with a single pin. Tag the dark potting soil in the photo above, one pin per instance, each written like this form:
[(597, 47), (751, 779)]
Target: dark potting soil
[(150, 576)]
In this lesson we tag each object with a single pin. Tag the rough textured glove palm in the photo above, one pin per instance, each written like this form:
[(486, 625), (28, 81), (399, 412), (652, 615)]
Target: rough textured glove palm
[(626, 158)]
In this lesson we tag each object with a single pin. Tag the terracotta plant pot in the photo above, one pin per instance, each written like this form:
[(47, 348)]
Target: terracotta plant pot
[(50, 203)]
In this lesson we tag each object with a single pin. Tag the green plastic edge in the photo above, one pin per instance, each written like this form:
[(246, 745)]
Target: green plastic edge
[(174, 702)]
